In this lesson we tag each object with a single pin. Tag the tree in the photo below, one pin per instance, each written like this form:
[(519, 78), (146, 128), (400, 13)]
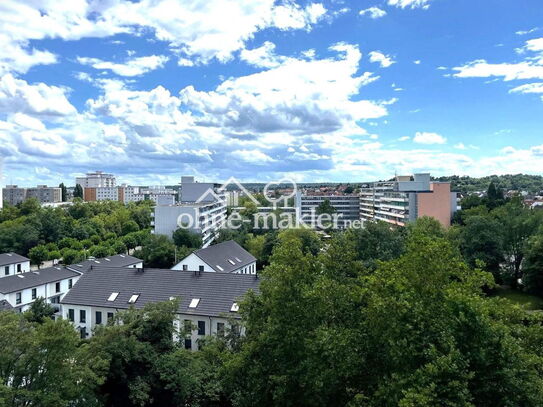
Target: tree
[(480, 241), (494, 196), (100, 251), (255, 246), (39, 311), (78, 191), (38, 255), (29, 206), (64, 192), (70, 256), (185, 237), (533, 265), (325, 207), (44, 364), (158, 251)]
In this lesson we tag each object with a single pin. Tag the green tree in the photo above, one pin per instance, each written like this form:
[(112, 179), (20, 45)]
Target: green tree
[(39, 311), (158, 251), (38, 255), (325, 207), (64, 192), (533, 265), (29, 206), (78, 191), (70, 256), (185, 237), (44, 364)]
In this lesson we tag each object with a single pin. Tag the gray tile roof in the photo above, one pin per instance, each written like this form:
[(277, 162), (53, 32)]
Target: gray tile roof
[(119, 260), (5, 306), (216, 291), (224, 254), (11, 258), (18, 282)]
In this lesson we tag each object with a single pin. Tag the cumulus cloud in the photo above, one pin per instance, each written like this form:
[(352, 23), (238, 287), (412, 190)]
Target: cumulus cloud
[(131, 67), (18, 96), (429, 138), (424, 4), (384, 60), (214, 36), (262, 57), (529, 88), (373, 12)]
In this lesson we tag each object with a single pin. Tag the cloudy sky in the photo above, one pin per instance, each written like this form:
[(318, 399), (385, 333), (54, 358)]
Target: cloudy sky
[(260, 89)]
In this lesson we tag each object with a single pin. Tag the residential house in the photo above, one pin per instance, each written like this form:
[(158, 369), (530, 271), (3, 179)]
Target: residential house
[(13, 263)]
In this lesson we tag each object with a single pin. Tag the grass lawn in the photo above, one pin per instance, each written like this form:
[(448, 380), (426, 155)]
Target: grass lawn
[(531, 302)]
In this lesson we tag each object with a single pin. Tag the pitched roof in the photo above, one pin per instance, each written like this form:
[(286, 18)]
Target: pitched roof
[(10, 258), (18, 282), (216, 291), (5, 306), (119, 260), (225, 257)]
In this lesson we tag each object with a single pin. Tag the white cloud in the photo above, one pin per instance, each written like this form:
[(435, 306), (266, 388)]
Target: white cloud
[(384, 60), (424, 4), (252, 156), (404, 138), (373, 12), (222, 27), (132, 67), (263, 57), (416, 62), (527, 31), (529, 88), (17, 96), (429, 138)]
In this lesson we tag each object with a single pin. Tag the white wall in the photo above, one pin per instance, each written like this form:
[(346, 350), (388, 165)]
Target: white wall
[(47, 291), (193, 263), (90, 321), (12, 268)]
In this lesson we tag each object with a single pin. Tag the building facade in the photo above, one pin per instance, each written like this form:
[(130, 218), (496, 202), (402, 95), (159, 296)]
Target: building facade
[(13, 263), (15, 195), (201, 209), (96, 179), (225, 257), (346, 207), (52, 284), (407, 198), (207, 301)]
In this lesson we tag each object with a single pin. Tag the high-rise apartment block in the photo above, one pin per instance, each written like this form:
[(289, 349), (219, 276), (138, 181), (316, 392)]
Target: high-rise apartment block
[(15, 195)]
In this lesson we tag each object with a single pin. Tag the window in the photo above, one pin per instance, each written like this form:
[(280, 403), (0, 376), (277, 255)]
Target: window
[(200, 268), (133, 299), (110, 317), (235, 307), (71, 314), (6, 270), (231, 262), (82, 316), (18, 268), (70, 284), (83, 332), (201, 327), (220, 268), (220, 328), (185, 267), (113, 297), (98, 317), (18, 298), (57, 287), (194, 303), (188, 343), (34, 293)]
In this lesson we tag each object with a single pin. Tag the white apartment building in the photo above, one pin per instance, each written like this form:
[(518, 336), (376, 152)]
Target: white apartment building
[(52, 283), (15, 195), (346, 206), (13, 263), (206, 300), (406, 198), (225, 257), (201, 208), (96, 179)]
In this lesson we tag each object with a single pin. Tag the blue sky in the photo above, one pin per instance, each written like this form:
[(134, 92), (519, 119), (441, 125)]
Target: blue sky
[(263, 90)]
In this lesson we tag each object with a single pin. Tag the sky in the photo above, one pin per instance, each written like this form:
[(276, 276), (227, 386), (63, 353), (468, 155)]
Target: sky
[(262, 90)]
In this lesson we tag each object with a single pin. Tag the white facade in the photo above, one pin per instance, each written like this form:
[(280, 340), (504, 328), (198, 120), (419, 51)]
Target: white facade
[(14, 268), (53, 292), (96, 180), (194, 263), (86, 318)]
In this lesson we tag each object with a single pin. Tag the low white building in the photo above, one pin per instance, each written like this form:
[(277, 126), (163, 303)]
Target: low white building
[(13, 263), (52, 283), (207, 301), (225, 257)]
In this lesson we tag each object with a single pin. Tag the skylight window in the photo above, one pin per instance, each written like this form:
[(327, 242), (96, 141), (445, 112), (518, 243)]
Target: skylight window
[(237, 258), (113, 297), (231, 262), (133, 299), (235, 307), (194, 303), (220, 268)]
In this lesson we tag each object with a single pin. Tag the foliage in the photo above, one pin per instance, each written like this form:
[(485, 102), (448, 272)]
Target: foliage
[(158, 251), (39, 311), (533, 265), (78, 191), (38, 255), (187, 238)]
